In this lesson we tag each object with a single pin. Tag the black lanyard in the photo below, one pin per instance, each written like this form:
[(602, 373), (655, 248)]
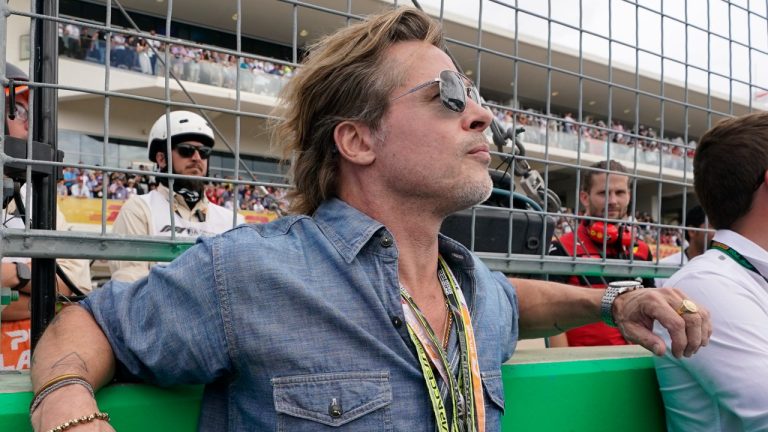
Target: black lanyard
[(736, 256)]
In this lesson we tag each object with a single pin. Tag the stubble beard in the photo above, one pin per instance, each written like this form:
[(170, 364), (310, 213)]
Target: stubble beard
[(472, 193)]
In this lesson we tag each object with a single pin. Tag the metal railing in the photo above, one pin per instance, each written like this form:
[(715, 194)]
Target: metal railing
[(662, 72)]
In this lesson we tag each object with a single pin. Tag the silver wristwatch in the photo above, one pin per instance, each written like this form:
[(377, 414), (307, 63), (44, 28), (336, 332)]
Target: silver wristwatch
[(614, 290)]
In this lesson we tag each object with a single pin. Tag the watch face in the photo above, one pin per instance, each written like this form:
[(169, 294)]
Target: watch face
[(23, 272), (625, 284)]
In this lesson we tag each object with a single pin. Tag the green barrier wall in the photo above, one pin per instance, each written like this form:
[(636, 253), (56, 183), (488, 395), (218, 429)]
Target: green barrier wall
[(132, 407), (565, 389), (582, 389)]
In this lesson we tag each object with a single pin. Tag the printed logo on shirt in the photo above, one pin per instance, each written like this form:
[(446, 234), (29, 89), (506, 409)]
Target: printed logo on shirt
[(190, 231)]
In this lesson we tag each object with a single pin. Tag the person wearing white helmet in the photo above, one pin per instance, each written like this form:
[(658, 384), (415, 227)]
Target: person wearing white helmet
[(15, 340), (191, 141)]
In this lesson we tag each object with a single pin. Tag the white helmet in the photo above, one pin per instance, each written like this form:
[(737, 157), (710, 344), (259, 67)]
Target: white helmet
[(185, 126)]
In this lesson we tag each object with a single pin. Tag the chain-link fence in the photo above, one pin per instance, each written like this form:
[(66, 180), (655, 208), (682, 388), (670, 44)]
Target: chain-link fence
[(570, 83)]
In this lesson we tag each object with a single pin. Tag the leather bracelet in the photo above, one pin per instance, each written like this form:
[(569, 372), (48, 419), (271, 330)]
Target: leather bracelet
[(55, 384), (78, 421), (54, 380)]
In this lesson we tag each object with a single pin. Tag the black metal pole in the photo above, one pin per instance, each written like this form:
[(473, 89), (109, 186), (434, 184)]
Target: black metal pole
[(44, 56)]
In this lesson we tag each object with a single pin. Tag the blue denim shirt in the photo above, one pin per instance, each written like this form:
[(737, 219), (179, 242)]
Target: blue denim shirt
[(285, 319)]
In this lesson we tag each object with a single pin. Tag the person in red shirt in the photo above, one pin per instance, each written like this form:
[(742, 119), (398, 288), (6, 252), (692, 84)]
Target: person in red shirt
[(602, 189)]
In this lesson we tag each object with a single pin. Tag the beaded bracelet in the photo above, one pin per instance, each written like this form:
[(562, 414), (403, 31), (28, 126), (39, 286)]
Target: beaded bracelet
[(85, 419), (54, 385)]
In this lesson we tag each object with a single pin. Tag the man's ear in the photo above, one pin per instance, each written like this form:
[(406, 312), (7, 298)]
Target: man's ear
[(355, 142), (160, 159)]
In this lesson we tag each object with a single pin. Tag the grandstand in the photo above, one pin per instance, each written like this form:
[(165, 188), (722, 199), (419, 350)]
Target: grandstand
[(579, 102), (588, 81)]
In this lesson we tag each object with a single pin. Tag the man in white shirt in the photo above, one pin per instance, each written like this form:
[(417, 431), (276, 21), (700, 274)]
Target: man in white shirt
[(725, 387), (696, 241), (80, 189)]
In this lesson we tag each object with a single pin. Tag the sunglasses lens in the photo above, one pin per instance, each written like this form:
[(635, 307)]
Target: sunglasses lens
[(452, 91), (187, 150)]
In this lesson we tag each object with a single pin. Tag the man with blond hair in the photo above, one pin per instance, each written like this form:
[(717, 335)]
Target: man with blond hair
[(354, 313)]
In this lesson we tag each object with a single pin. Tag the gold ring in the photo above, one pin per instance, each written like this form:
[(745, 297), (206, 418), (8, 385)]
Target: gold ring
[(687, 307)]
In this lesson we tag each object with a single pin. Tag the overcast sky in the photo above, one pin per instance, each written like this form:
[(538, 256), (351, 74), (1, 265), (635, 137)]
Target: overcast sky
[(667, 35)]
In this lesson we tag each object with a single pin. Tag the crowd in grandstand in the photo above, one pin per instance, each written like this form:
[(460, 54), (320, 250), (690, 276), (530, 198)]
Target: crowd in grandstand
[(249, 197), (89, 184), (220, 69), (189, 64), (536, 128)]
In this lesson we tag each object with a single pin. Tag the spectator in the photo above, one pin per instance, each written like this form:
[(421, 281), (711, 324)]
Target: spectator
[(61, 188), (15, 342), (130, 189), (697, 241), (69, 175), (117, 189), (157, 45), (600, 191), (142, 49), (80, 189), (94, 183), (191, 143), (72, 40)]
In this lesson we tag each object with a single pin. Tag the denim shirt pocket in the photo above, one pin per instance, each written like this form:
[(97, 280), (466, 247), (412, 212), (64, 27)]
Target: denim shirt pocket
[(333, 401), (494, 399)]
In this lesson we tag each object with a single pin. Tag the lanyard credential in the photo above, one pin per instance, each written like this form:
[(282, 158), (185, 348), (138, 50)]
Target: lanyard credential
[(468, 408), (736, 256)]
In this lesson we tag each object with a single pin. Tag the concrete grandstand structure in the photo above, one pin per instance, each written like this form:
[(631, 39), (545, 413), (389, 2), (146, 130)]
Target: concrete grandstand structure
[(581, 89), (524, 71), (587, 83)]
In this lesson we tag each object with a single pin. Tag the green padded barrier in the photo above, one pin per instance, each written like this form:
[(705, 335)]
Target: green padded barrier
[(564, 389), (132, 407), (582, 389)]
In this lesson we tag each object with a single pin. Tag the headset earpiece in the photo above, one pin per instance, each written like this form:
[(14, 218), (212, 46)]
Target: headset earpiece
[(597, 230)]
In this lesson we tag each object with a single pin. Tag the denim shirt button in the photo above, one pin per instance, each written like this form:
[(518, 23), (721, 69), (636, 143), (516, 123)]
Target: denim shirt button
[(397, 322), (386, 240), (334, 409)]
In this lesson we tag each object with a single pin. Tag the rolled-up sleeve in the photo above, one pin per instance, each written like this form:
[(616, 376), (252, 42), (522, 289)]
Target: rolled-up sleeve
[(168, 328)]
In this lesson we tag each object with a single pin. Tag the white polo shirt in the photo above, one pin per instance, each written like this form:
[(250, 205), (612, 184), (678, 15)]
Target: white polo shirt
[(678, 258), (723, 387)]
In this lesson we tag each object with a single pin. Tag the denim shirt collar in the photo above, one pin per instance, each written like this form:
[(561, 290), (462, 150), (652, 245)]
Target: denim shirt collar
[(346, 227), (349, 230)]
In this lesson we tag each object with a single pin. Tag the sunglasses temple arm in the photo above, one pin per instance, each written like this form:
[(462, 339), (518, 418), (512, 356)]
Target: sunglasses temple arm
[(11, 99)]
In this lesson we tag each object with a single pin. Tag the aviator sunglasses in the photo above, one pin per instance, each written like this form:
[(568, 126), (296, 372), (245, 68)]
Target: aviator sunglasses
[(187, 150), (453, 90)]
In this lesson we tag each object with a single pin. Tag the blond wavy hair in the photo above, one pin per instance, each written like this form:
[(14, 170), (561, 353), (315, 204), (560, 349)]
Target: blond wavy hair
[(343, 78)]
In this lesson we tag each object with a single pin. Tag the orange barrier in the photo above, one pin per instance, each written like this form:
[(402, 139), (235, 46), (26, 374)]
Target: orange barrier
[(88, 211)]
